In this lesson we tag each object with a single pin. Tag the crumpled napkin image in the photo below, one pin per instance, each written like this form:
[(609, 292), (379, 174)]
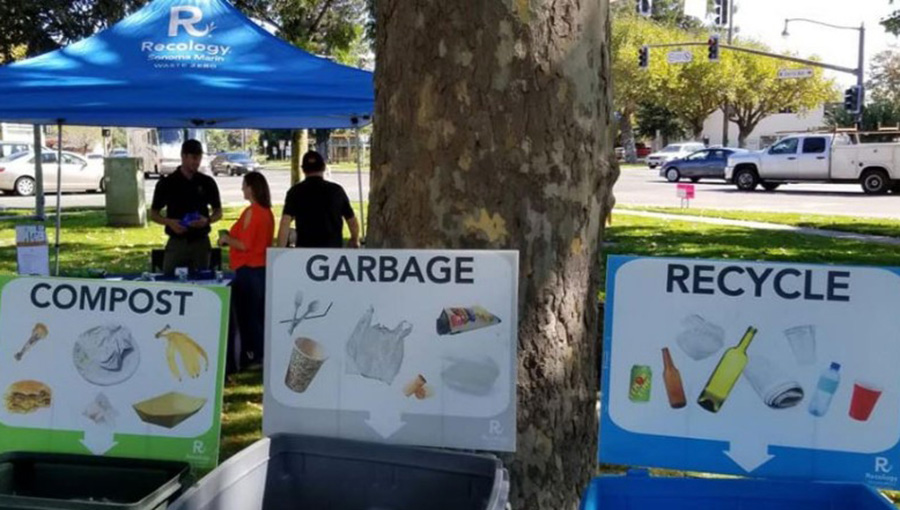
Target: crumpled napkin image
[(470, 376), (101, 411), (699, 338), (374, 351)]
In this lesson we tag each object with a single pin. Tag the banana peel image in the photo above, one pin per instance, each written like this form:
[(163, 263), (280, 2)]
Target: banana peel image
[(187, 349)]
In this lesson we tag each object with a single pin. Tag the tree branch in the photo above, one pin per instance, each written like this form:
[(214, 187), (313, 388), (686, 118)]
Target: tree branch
[(315, 26)]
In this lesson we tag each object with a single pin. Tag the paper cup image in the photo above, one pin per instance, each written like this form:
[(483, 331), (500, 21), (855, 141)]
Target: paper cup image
[(802, 340), (699, 338), (865, 396), (307, 358), (775, 387)]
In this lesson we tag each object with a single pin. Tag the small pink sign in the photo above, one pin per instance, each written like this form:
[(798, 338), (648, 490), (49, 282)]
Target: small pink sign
[(686, 191)]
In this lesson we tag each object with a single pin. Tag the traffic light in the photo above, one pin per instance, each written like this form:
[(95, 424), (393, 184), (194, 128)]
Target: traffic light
[(713, 45), (851, 99), (721, 11), (645, 7), (644, 57)]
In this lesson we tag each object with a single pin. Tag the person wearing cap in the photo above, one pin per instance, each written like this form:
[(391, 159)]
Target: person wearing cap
[(192, 204), (318, 208)]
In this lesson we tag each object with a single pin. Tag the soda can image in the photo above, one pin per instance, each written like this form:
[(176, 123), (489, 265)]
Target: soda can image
[(641, 380)]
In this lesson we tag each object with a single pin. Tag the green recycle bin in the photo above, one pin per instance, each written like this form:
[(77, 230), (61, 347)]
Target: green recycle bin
[(126, 204), (46, 481)]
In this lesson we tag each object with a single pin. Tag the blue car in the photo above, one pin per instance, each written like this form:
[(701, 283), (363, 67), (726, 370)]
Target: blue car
[(703, 164)]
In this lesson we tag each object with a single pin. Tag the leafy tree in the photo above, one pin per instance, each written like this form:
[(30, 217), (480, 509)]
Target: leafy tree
[(653, 118), (884, 82), (665, 12), (42, 26), (755, 91), (892, 23)]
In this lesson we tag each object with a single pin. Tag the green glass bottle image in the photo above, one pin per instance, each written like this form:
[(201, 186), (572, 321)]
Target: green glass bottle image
[(726, 374)]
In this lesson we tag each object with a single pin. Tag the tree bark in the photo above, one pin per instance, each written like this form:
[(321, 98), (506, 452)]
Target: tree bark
[(627, 128), (494, 132)]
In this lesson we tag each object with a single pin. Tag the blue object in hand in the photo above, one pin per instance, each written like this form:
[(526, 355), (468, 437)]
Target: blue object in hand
[(189, 218)]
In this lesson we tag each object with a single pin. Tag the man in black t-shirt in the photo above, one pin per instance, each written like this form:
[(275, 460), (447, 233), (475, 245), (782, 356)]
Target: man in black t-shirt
[(187, 196), (317, 207)]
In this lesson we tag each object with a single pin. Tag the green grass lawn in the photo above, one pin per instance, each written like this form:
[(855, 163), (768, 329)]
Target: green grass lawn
[(873, 226), (88, 243), (338, 168)]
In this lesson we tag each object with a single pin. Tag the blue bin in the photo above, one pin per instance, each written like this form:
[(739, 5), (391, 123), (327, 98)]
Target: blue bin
[(639, 491)]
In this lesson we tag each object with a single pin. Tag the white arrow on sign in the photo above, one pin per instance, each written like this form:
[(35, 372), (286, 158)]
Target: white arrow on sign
[(98, 441), (680, 57), (788, 74), (385, 422), (749, 454)]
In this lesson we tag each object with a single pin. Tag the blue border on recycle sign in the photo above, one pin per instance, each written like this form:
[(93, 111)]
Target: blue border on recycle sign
[(619, 446)]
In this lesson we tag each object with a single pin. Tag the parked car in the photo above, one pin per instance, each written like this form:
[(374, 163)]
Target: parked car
[(17, 173), (233, 163), (641, 150), (818, 157), (703, 164), (672, 152)]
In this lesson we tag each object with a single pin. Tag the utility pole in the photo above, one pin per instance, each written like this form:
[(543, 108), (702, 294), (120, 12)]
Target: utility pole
[(725, 107), (861, 75)]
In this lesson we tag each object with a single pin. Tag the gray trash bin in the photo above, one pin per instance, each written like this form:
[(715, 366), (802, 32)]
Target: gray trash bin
[(126, 205), (313, 473)]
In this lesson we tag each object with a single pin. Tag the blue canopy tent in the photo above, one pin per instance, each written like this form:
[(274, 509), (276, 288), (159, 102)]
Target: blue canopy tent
[(185, 63)]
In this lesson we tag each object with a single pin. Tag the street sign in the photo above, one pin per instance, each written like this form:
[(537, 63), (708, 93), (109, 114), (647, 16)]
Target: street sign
[(780, 370), (789, 74), (680, 57), (398, 346), (685, 191)]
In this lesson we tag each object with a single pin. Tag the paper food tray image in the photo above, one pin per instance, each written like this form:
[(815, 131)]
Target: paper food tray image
[(169, 410)]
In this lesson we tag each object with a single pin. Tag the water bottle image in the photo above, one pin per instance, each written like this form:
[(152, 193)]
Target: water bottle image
[(828, 384)]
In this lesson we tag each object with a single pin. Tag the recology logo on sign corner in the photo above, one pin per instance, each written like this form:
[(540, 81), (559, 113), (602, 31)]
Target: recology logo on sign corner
[(190, 52)]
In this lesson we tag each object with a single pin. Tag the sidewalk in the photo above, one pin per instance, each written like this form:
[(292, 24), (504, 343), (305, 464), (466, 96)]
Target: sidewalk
[(835, 234)]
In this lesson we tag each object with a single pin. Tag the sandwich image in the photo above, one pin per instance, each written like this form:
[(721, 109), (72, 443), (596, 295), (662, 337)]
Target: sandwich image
[(27, 396), (169, 409), (459, 320)]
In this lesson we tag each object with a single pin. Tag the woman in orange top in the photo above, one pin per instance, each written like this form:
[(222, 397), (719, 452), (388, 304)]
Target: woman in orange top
[(248, 240)]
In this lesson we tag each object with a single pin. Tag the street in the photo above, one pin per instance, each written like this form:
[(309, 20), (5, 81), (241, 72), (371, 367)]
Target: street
[(636, 187), (644, 187), (229, 189)]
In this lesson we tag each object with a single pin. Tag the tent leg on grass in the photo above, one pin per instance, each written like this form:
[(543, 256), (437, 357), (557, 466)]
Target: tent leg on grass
[(59, 124), (38, 175)]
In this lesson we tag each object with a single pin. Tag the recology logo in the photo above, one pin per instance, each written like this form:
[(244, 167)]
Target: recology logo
[(189, 20)]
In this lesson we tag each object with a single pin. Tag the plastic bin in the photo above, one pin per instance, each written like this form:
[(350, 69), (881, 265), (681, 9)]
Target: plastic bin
[(311, 473), (44, 481), (639, 491)]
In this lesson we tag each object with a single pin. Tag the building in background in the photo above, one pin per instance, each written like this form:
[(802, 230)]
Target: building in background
[(23, 133), (768, 130)]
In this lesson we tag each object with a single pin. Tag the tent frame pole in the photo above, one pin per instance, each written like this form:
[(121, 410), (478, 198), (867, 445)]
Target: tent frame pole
[(39, 201), (59, 138)]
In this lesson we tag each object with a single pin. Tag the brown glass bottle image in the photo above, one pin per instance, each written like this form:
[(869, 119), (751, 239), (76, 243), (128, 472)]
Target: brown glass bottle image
[(672, 379)]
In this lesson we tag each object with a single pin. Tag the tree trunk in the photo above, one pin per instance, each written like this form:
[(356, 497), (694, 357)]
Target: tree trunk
[(696, 129), (627, 127), (297, 148), (494, 133)]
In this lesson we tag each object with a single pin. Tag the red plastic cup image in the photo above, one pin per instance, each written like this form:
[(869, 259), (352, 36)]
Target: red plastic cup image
[(865, 396)]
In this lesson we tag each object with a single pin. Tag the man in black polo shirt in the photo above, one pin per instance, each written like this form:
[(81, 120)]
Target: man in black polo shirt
[(317, 207), (187, 196)]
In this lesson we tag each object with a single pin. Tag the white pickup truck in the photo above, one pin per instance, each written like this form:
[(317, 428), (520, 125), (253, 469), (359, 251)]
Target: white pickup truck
[(833, 157)]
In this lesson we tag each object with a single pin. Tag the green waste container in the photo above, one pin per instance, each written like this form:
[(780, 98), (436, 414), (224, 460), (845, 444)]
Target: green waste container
[(126, 204), (46, 481)]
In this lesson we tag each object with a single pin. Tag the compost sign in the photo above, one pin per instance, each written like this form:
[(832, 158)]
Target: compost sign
[(112, 368), (398, 346), (779, 370)]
